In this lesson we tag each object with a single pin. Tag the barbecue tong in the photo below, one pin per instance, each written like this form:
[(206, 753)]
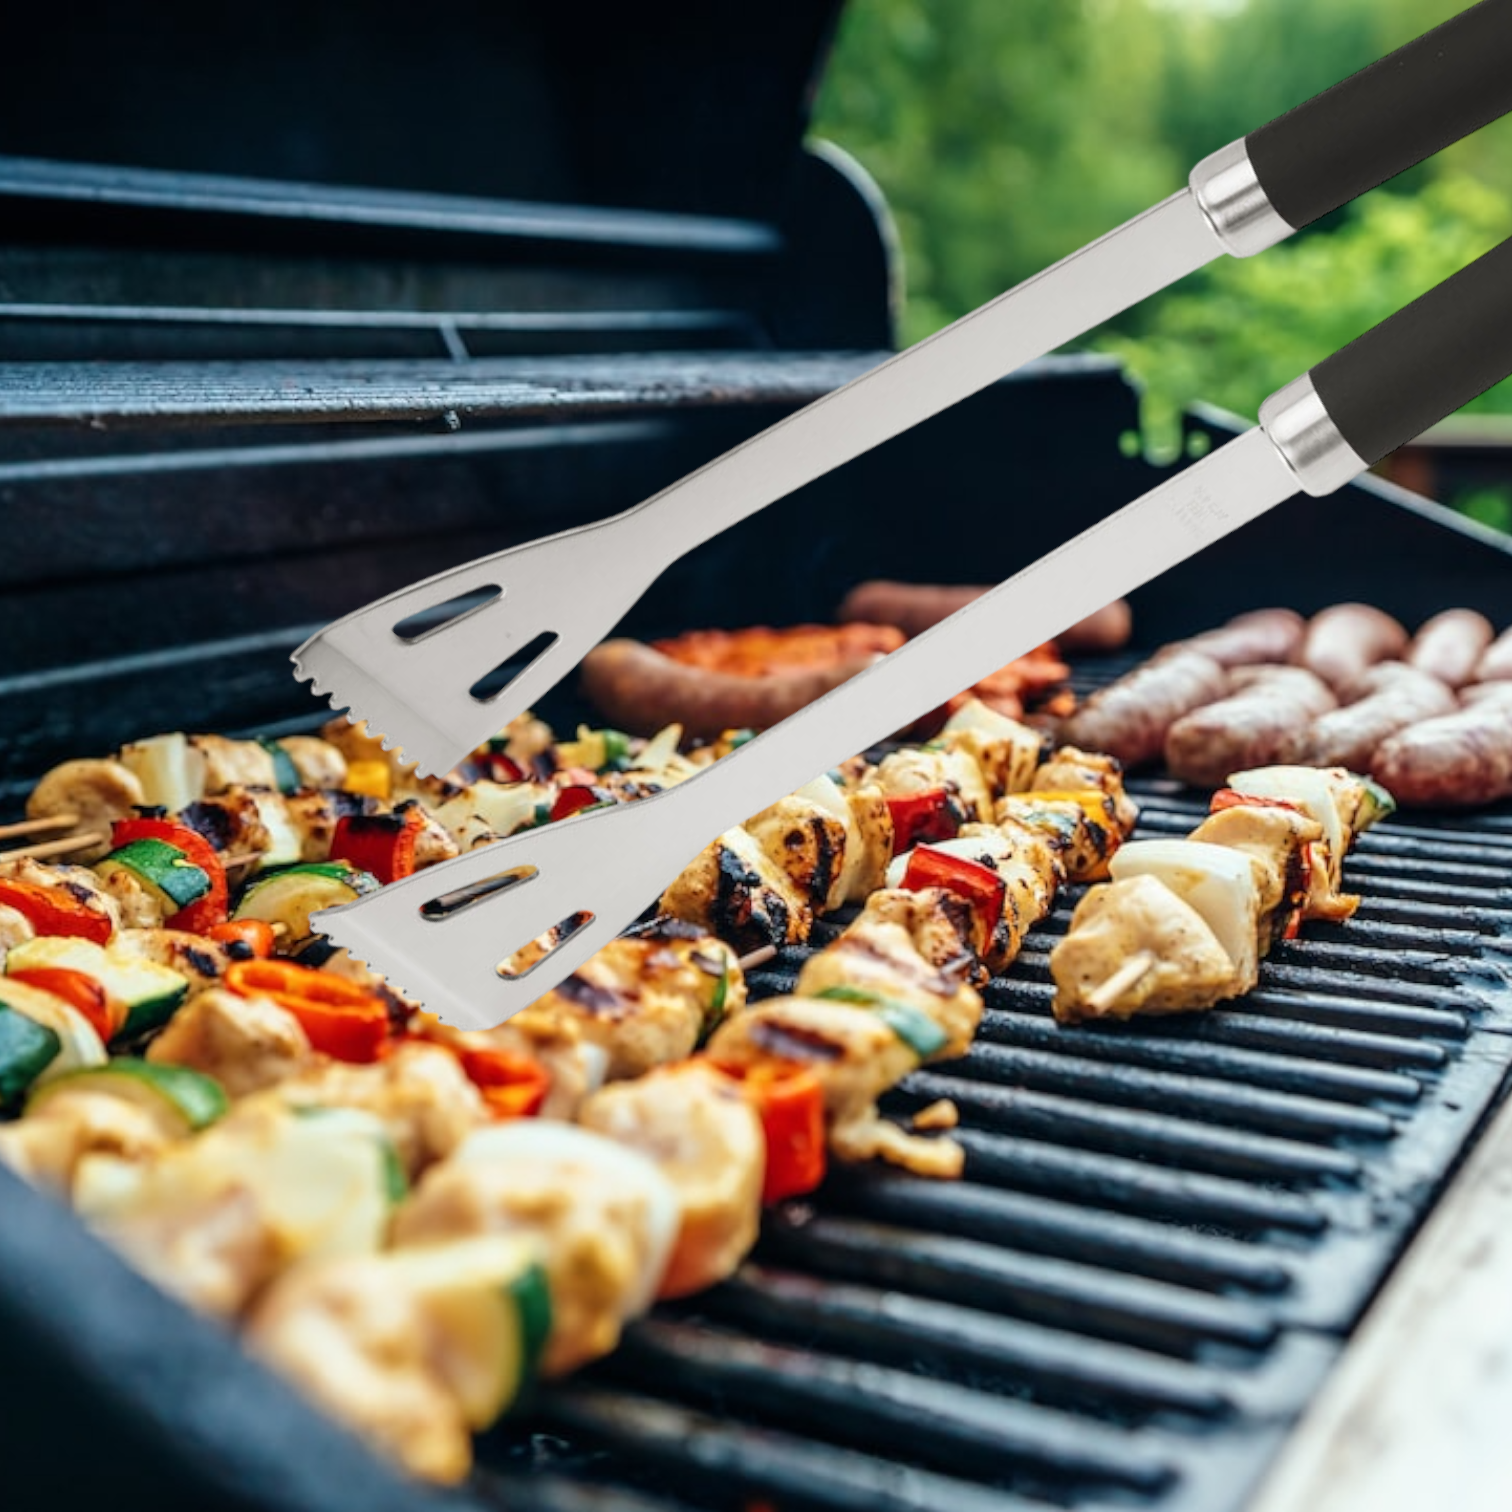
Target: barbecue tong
[(416, 692), (441, 934)]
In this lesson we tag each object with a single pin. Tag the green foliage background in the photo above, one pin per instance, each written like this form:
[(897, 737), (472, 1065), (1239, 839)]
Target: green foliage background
[(1006, 133)]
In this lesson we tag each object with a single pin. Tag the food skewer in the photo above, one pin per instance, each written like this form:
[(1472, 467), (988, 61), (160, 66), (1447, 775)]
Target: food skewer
[(1129, 975), (64, 847), (65, 820)]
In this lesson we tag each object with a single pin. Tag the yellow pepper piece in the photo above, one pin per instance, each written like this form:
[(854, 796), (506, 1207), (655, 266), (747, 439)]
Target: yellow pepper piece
[(370, 778), (1092, 801)]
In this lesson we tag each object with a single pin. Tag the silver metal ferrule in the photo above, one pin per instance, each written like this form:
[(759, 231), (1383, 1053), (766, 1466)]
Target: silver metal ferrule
[(1227, 191), (1302, 430)]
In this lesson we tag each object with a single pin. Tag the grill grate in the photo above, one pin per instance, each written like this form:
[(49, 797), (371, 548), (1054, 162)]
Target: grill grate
[(1164, 1236)]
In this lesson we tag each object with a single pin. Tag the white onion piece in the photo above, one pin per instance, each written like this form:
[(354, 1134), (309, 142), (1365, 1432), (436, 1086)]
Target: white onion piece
[(660, 749), (1217, 882)]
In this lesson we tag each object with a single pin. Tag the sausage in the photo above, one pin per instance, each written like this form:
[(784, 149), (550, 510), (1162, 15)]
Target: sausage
[(1348, 638), (1389, 697), (1129, 718), (1261, 722), (640, 690), (1456, 761), (1496, 664), (914, 607), (1450, 645), (1262, 635)]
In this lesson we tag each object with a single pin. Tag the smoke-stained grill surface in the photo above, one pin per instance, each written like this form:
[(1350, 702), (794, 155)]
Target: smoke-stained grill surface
[(358, 354)]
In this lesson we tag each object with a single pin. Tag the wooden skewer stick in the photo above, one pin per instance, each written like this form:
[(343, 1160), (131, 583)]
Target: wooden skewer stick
[(1130, 974), (757, 957), (64, 847), (37, 826), (240, 858)]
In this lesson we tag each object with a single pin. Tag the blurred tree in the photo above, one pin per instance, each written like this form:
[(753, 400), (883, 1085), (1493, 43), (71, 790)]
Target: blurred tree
[(1008, 134), (1242, 328)]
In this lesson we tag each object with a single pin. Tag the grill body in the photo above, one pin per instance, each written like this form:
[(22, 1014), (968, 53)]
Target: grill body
[(256, 373)]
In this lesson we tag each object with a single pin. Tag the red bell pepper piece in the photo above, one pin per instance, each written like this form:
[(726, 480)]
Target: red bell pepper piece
[(789, 1100), (52, 911), (383, 844), (1227, 798), (497, 767), (106, 1015), (340, 1018), (202, 915), (574, 799), (919, 817), (513, 1086), (981, 887)]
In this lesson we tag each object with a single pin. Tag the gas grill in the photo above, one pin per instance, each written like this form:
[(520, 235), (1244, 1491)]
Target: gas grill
[(253, 378)]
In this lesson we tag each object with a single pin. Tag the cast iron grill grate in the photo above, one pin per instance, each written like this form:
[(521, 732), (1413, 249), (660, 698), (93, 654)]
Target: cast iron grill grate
[(1165, 1233)]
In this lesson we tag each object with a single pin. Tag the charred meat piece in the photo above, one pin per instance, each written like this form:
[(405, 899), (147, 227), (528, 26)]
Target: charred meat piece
[(699, 1129), (734, 890), (647, 1000), (1135, 947)]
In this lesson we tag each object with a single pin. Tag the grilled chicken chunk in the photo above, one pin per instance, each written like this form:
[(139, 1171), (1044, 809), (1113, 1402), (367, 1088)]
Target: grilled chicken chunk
[(917, 769), (855, 1056), (201, 960), (47, 1145), (648, 999), (1084, 827), (704, 1136), (232, 822), (1119, 927), (606, 1219), (1070, 769), (808, 842), (1030, 875), (1006, 751), (319, 763), (234, 763), (869, 843), (852, 1051), (419, 1093), (359, 1346), (1277, 841), (246, 1044), (942, 925), (734, 890), (879, 957)]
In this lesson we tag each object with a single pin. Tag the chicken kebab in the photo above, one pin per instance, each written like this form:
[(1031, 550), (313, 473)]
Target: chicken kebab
[(405, 1217), (1183, 924), (413, 1221)]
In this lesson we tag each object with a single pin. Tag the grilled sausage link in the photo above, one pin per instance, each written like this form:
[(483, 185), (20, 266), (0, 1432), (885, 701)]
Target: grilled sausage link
[(1389, 697), (1342, 642), (1496, 664), (1261, 722), (1262, 635), (1457, 761), (638, 689), (1129, 718), (1450, 644)]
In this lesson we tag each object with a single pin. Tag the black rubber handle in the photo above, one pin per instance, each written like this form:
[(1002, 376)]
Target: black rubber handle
[(1426, 361), (1410, 105)]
